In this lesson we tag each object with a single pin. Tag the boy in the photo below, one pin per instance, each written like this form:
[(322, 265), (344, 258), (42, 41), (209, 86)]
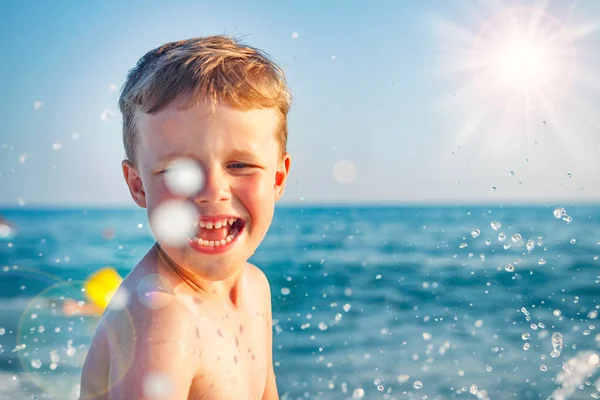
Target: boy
[(196, 323)]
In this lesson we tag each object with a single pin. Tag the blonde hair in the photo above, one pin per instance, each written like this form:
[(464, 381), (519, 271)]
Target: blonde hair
[(215, 68)]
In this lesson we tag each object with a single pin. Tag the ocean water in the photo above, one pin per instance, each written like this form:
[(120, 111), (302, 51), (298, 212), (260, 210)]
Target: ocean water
[(431, 302)]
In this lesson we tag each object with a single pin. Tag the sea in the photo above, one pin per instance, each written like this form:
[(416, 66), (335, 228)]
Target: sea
[(369, 302)]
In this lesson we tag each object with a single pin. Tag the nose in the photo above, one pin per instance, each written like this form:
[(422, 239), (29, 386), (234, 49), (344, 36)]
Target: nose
[(215, 188)]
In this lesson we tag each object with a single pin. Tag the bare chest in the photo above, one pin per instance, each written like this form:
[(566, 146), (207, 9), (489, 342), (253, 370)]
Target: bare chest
[(233, 360)]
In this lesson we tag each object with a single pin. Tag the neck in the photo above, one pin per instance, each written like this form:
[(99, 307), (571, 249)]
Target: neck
[(226, 290)]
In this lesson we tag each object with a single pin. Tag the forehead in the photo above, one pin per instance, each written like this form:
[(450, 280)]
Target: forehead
[(205, 128)]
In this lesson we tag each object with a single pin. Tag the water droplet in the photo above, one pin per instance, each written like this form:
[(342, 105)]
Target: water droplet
[(493, 188), (567, 219), (463, 245), (557, 342), (501, 237), (37, 105), (516, 237), (36, 364), (344, 171), (495, 225), (285, 291), (488, 241), (572, 241), (418, 385), (184, 177), (530, 245), (107, 115), (511, 173), (543, 122), (569, 175), (173, 222), (526, 346), (322, 326), (556, 313), (358, 393), (559, 212), (57, 146), (543, 368), (526, 336), (473, 389), (295, 35), (509, 268), (475, 233), (542, 261), (157, 385)]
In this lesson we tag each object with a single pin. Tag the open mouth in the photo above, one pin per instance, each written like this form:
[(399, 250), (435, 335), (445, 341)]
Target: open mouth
[(217, 233)]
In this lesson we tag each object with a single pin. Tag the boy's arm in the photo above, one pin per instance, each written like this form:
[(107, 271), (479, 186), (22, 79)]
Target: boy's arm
[(163, 361), (270, 392)]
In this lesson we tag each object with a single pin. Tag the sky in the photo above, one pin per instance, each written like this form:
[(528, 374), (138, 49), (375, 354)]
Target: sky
[(428, 101)]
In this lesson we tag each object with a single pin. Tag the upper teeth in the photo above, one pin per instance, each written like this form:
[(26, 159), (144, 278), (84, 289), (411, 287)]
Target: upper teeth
[(216, 224)]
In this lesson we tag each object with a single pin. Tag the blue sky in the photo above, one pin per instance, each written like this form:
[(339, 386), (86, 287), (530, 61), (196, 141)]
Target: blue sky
[(387, 87)]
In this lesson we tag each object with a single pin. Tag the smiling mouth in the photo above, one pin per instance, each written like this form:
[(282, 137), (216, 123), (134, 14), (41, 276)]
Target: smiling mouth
[(218, 233)]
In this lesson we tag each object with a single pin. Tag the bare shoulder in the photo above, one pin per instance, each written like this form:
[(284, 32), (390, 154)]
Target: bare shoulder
[(258, 279), (151, 341)]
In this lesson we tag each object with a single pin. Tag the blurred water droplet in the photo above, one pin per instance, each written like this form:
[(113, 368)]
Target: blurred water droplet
[(569, 175), (295, 35), (37, 105), (112, 87), (418, 385), (285, 291), (488, 241), (511, 173), (172, 222), (36, 364), (57, 146), (184, 177), (475, 233), (344, 171), (358, 393), (567, 219), (493, 188), (542, 261), (526, 336), (463, 245), (495, 225), (572, 241), (509, 268), (473, 389), (516, 237), (107, 114), (157, 386)]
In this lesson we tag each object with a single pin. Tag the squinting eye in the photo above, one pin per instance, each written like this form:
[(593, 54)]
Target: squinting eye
[(238, 165)]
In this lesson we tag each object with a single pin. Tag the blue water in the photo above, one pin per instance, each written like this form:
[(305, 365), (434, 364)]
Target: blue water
[(367, 302)]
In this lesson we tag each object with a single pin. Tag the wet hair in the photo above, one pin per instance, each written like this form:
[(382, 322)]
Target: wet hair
[(219, 69)]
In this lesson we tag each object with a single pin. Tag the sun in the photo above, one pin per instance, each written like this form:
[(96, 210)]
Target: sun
[(522, 59)]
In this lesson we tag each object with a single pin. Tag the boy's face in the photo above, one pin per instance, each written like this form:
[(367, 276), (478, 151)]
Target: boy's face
[(244, 176)]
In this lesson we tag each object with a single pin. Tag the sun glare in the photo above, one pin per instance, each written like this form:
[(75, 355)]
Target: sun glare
[(522, 58)]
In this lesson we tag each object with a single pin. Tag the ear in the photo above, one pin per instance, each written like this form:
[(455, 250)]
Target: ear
[(281, 175), (134, 182)]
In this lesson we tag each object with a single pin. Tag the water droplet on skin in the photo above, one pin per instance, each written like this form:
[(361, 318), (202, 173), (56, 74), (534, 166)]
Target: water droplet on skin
[(495, 225)]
